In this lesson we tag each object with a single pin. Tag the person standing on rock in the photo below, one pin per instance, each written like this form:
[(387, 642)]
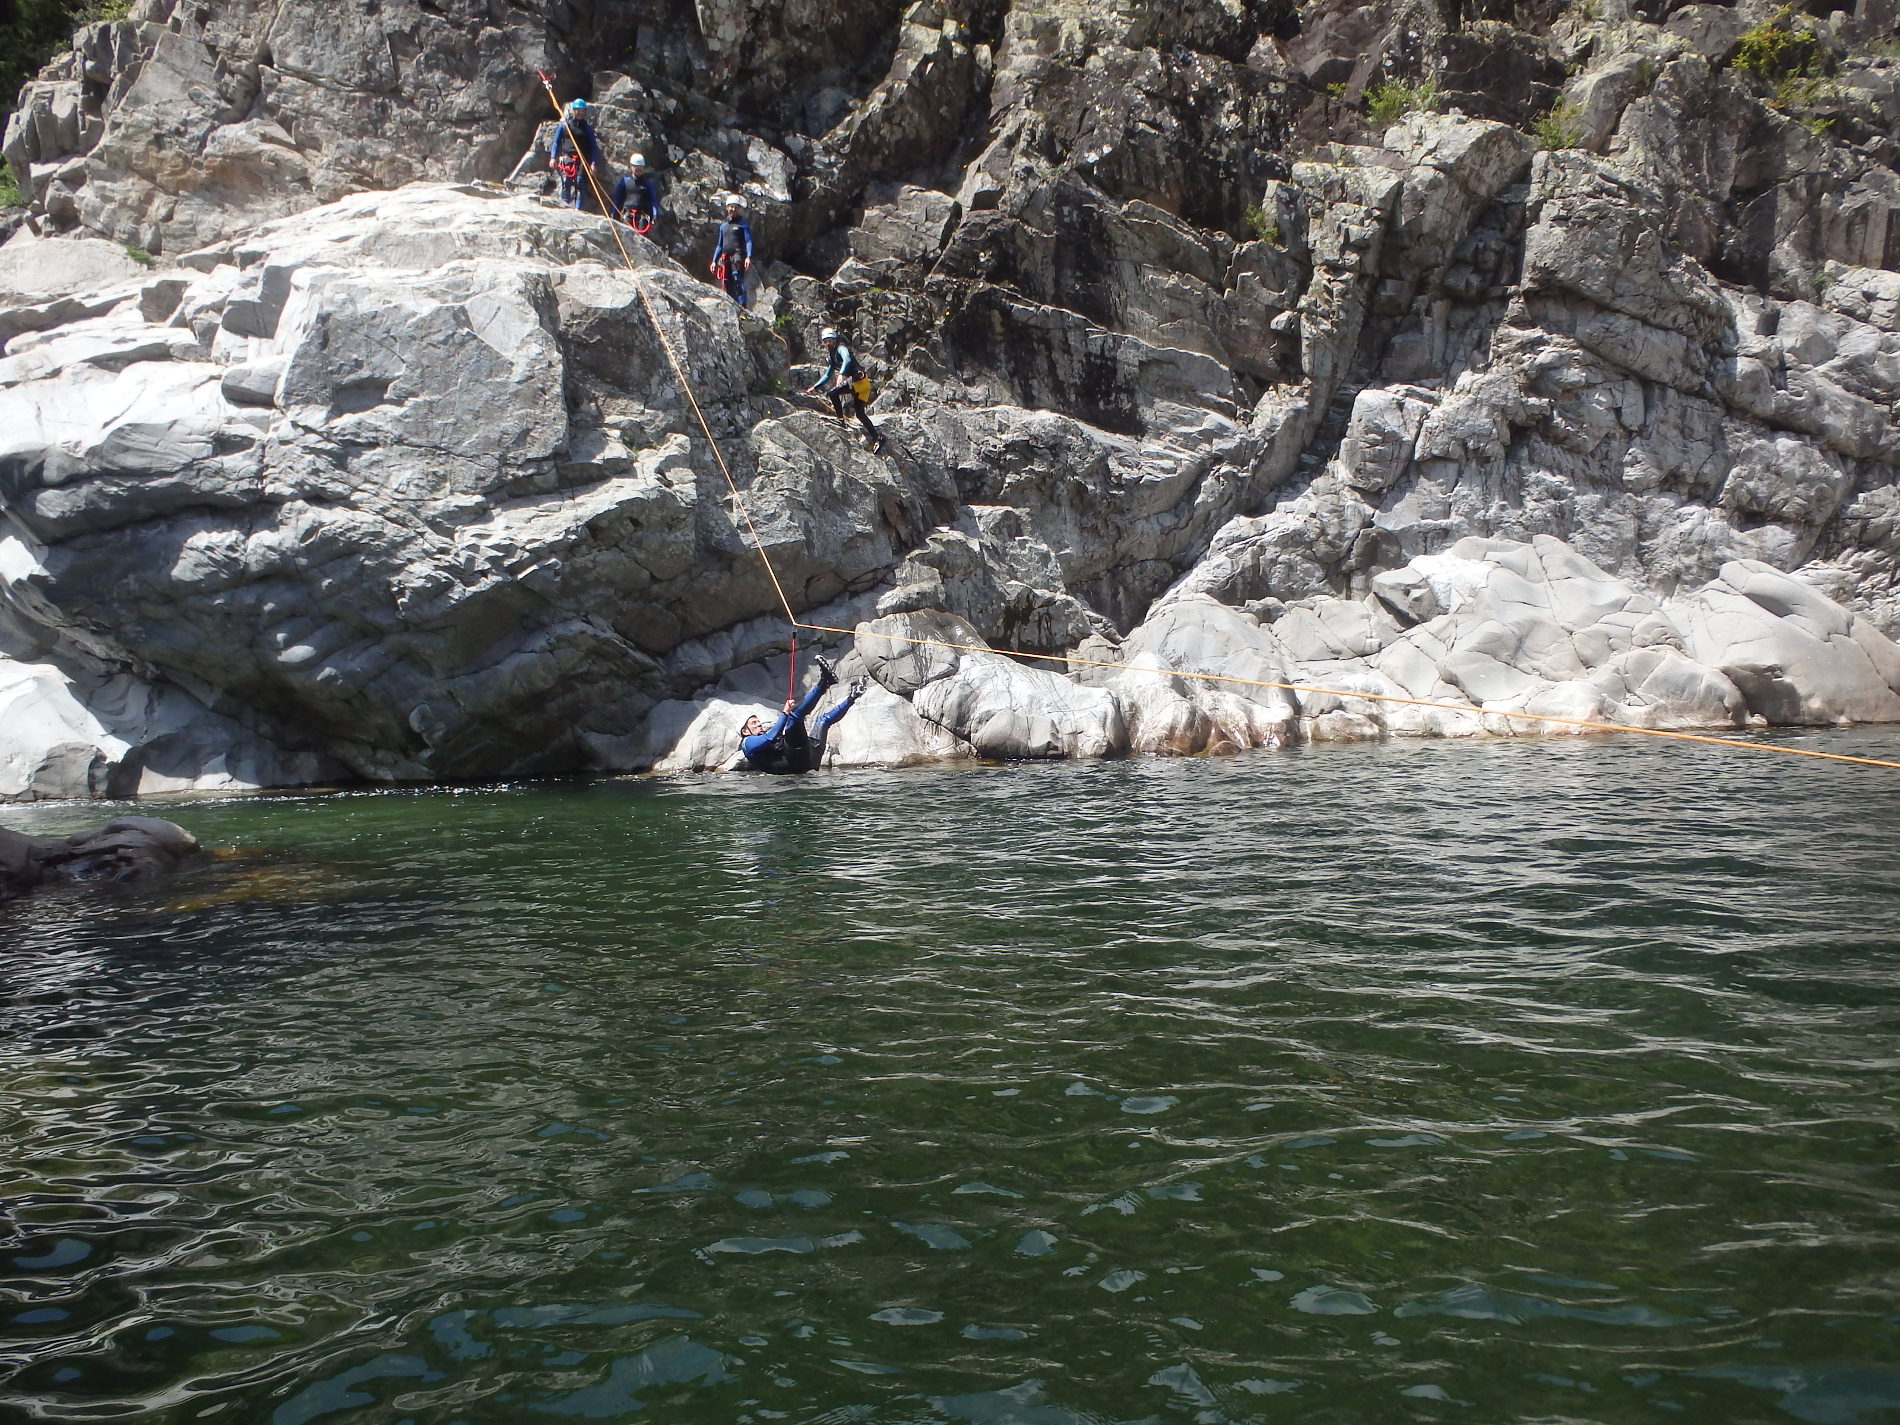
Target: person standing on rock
[(732, 251), (637, 196), (574, 144), (786, 748), (844, 380)]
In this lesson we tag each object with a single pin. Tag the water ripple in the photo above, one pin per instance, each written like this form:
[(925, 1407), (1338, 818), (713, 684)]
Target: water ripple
[(1526, 1081)]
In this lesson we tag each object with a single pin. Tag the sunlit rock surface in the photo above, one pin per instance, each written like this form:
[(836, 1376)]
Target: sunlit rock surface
[(1187, 369)]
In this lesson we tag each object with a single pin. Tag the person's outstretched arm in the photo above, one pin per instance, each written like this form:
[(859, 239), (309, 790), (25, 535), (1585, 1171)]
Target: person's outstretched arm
[(831, 360)]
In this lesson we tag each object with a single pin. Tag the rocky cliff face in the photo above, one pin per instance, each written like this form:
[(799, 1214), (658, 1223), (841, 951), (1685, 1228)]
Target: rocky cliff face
[(1572, 390)]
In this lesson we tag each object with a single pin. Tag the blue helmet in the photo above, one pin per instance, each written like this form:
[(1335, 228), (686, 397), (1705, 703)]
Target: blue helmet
[(578, 104)]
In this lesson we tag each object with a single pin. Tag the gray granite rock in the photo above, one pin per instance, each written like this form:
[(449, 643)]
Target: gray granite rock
[(1185, 368), (128, 848)]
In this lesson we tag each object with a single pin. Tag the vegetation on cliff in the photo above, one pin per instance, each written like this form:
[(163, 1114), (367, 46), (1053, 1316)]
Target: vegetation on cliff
[(35, 30)]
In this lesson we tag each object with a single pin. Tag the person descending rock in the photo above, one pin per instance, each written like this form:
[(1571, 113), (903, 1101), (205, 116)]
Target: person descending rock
[(637, 196), (732, 251), (574, 144), (786, 748), (843, 380)]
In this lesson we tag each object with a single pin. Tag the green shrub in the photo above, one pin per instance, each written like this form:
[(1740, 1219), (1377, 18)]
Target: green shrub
[(1389, 101), (138, 255), (1557, 126), (1799, 91), (10, 194), (1778, 48), (1260, 225)]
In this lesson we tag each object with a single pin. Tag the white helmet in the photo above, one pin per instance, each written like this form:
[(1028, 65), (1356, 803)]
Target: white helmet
[(639, 160), (828, 334), (733, 200)]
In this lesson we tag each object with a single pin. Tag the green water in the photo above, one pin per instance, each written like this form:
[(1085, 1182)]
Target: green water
[(1507, 1082)]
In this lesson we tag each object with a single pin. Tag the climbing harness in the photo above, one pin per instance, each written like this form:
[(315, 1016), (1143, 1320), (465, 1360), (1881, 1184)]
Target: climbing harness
[(797, 624)]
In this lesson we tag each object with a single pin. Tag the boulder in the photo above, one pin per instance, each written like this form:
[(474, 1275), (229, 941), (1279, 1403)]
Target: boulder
[(1797, 656), (37, 269), (1169, 713), (128, 848), (70, 728), (991, 704)]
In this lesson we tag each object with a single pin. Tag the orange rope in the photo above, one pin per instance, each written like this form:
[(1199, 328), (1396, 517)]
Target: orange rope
[(672, 357), (1073, 662)]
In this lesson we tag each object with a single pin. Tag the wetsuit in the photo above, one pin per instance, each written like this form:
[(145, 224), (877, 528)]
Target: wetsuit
[(637, 193), (573, 144), (786, 747), (731, 254), (842, 367)]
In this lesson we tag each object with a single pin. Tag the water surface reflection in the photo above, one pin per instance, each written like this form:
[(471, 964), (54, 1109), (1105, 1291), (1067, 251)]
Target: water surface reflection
[(1532, 1081)]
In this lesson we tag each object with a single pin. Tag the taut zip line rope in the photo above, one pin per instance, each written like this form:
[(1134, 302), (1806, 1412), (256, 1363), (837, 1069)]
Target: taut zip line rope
[(666, 345), (796, 623)]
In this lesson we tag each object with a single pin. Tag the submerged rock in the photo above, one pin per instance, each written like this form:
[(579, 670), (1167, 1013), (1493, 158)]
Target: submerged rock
[(128, 848)]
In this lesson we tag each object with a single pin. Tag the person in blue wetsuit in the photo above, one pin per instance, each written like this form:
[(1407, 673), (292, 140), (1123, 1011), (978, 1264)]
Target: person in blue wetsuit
[(574, 143), (786, 748), (636, 195), (843, 380), (732, 250)]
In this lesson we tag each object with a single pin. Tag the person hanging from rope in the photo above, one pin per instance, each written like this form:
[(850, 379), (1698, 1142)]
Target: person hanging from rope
[(786, 748), (732, 251), (574, 143), (637, 196), (845, 381)]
